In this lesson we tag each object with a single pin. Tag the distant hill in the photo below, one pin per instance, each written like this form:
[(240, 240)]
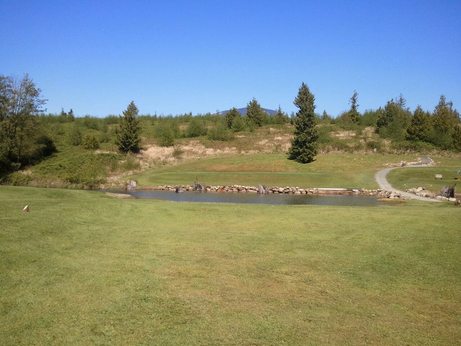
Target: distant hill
[(243, 111)]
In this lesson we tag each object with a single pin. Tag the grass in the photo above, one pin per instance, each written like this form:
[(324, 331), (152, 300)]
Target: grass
[(83, 268), (329, 170), (406, 178)]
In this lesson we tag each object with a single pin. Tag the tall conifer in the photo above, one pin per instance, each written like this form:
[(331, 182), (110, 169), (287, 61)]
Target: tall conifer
[(304, 144), (128, 134)]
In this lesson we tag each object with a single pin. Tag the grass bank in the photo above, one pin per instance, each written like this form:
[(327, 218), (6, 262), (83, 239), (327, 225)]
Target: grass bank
[(449, 166), (329, 170), (83, 268)]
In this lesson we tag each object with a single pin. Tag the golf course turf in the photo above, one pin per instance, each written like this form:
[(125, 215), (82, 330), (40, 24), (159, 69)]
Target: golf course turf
[(82, 267)]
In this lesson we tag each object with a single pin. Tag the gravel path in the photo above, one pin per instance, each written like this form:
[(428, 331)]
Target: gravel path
[(380, 178)]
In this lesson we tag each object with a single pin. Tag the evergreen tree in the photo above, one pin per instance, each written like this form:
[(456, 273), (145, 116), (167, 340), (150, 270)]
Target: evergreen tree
[(255, 113), (457, 137), (325, 117), (394, 119), (304, 144), (445, 119), (231, 116), (353, 113), (280, 117), (420, 127), (128, 134)]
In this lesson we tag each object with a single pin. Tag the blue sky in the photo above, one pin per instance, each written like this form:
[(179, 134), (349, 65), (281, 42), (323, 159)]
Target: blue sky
[(173, 57)]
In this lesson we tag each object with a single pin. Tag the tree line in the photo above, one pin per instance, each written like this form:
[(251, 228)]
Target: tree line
[(28, 135)]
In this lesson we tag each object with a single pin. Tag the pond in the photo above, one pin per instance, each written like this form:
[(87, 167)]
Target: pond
[(253, 198)]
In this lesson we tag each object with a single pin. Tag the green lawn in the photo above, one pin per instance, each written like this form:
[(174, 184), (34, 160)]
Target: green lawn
[(84, 268), (329, 170), (406, 178)]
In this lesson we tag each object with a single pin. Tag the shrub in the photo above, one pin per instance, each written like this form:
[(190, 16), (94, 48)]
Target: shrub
[(131, 163), (219, 133), (196, 128), (75, 136), (238, 124), (90, 142)]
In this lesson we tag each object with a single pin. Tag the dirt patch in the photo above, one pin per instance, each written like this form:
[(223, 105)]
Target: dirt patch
[(344, 134)]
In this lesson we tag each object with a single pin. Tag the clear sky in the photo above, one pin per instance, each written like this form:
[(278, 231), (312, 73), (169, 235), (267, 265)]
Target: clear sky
[(173, 57)]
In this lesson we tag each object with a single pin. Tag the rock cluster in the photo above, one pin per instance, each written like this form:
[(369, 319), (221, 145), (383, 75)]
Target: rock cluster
[(422, 192), (260, 189)]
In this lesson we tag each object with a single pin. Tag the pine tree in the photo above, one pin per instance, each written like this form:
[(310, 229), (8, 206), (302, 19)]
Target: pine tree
[(128, 134), (394, 119), (445, 119), (457, 137), (255, 113), (420, 127), (231, 116), (304, 144), (353, 113), (280, 117)]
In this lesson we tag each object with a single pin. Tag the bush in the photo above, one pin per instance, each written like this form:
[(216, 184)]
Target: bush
[(374, 145), (166, 132), (18, 179), (238, 124), (131, 163), (45, 147), (90, 142), (417, 146), (196, 128), (75, 136), (219, 133)]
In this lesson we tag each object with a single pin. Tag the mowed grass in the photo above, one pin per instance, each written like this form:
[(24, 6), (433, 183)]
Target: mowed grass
[(84, 268), (406, 178), (329, 170)]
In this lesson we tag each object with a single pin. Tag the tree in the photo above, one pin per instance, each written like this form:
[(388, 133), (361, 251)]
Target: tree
[(325, 117), (304, 144), (280, 117), (21, 139), (420, 127), (231, 116), (444, 120), (353, 113), (255, 113), (128, 138), (457, 137), (394, 119)]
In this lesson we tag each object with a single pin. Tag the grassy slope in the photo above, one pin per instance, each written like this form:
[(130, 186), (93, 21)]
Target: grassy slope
[(329, 170), (84, 268)]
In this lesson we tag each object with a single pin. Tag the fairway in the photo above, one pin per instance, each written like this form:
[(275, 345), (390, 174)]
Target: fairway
[(85, 268)]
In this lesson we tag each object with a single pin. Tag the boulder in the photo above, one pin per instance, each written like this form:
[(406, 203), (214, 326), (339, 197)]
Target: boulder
[(448, 191), (438, 176), (131, 185), (262, 189)]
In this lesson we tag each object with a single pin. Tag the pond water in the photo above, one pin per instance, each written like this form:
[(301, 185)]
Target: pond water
[(253, 198)]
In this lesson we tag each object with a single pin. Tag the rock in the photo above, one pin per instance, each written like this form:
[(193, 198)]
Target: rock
[(452, 199), (448, 191), (419, 189), (131, 185), (26, 209), (262, 189), (438, 176)]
